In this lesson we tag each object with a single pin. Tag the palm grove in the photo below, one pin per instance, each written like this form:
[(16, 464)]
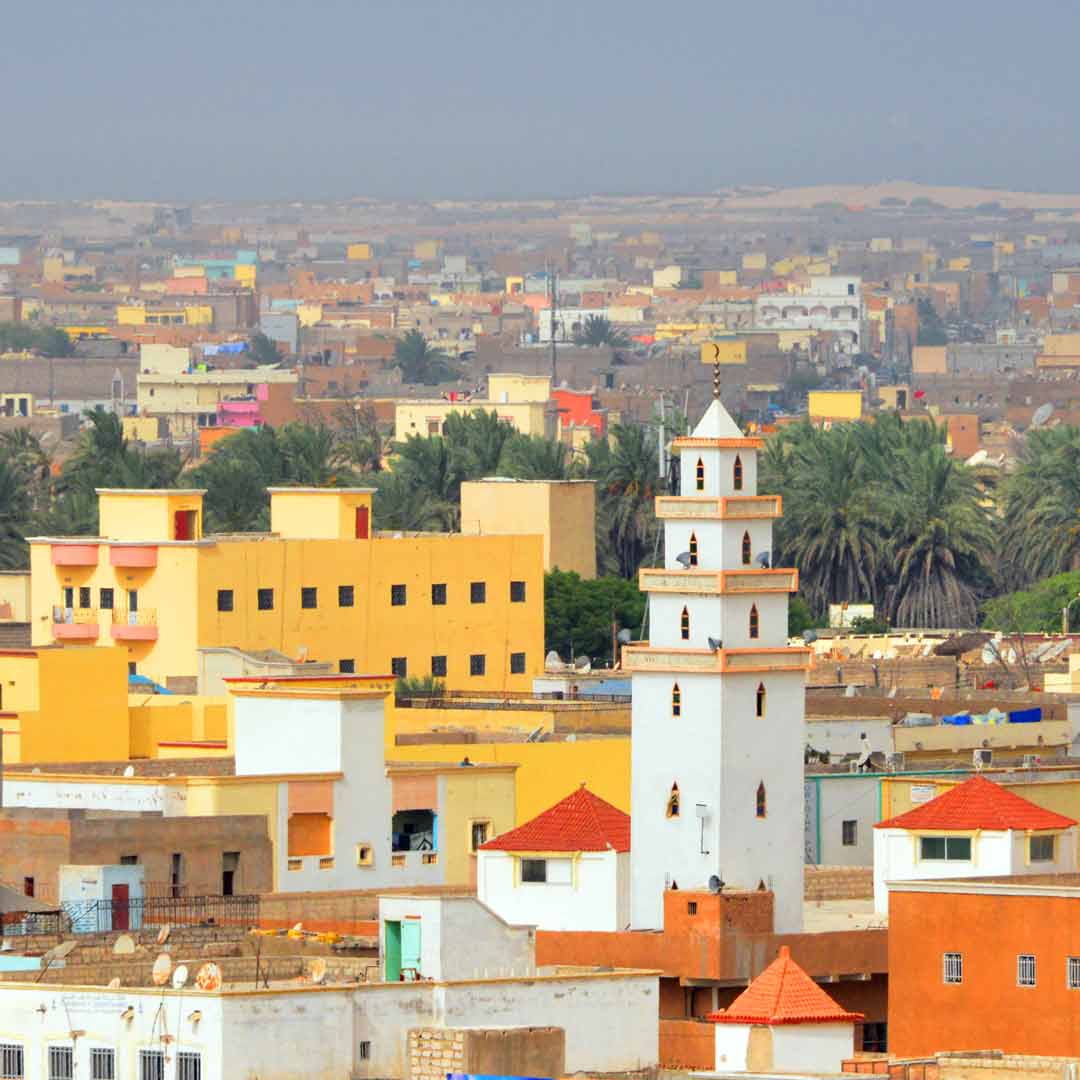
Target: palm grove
[(874, 511)]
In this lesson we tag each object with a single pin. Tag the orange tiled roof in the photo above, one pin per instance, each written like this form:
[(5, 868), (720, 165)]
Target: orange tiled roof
[(581, 822), (978, 803), (784, 994)]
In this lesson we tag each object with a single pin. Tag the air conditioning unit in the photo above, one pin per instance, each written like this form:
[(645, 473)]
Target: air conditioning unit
[(982, 758), (1032, 761), (894, 762)]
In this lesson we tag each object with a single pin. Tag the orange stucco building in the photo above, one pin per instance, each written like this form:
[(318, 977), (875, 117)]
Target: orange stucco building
[(992, 963)]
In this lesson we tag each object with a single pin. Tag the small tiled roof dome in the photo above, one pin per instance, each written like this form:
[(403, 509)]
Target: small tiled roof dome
[(581, 822), (784, 994), (978, 803)]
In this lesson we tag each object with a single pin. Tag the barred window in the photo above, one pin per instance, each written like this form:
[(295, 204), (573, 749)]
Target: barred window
[(102, 1063), (151, 1065), (62, 1063), (1072, 974), (953, 967), (11, 1061), (1025, 970), (188, 1065)]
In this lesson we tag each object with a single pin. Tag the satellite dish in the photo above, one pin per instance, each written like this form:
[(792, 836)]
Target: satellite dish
[(114, 982), (65, 948), (583, 664), (208, 977), (988, 654), (716, 644), (179, 977), (762, 559), (298, 928), (162, 969), (809, 637), (624, 637), (124, 945), (1042, 414), (129, 771), (552, 662), (715, 884), (163, 934), (683, 559), (318, 970)]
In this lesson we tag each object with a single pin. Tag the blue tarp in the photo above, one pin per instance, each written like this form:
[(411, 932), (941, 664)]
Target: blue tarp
[(957, 718), (141, 682), (1026, 716)]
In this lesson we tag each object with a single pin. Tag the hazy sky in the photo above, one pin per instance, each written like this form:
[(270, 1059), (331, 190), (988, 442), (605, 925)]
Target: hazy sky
[(195, 99)]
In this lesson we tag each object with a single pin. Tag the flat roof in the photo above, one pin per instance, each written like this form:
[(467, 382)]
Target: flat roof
[(321, 490), (1068, 889), (149, 491)]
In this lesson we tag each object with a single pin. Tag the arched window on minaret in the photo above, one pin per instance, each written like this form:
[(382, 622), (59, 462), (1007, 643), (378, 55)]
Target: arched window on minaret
[(676, 701), (700, 475), (755, 622), (738, 473), (746, 551), (673, 801), (684, 625), (693, 549), (759, 700), (761, 805)]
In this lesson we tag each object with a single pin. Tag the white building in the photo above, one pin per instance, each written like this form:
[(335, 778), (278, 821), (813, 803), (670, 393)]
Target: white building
[(718, 694), (784, 1022), (566, 869), (976, 829), (828, 303)]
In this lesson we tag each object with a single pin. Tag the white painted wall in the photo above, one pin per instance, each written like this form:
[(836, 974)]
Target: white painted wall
[(716, 552), (45, 793), (726, 618), (841, 736), (847, 798), (276, 735), (590, 901), (896, 858), (732, 1044), (719, 472), (812, 1048)]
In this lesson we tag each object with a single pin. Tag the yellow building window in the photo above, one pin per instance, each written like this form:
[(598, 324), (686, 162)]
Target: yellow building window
[(755, 623), (746, 549), (759, 700), (700, 475), (673, 802), (676, 701), (685, 624), (693, 549), (738, 473)]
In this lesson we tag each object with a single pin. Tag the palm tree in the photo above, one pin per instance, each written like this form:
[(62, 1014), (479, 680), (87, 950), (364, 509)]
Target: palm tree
[(14, 514), (431, 467), (532, 457), (598, 330), (32, 463), (313, 457), (627, 486), (481, 436), (419, 362), (939, 537), (401, 506), (830, 529), (361, 443), (1041, 535)]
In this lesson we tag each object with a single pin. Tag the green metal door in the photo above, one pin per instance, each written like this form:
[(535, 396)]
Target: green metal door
[(410, 948), (392, 952)]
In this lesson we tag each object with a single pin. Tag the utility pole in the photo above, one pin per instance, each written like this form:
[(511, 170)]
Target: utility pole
[(660, 444)]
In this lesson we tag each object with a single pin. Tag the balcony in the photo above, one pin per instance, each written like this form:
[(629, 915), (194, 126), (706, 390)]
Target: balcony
[(134, 556), (709, 662), (138, 625), (75, 624), (719, 582), (696, 507), (74, 554)]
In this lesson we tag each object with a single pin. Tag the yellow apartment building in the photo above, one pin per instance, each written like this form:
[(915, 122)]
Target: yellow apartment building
[(522, 400), (188, 401), (836, 405), (321, 586)]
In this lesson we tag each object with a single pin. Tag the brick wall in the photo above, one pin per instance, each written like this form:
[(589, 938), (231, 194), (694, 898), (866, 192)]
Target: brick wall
[(838, 882), (522, 1051), (434, 1052)]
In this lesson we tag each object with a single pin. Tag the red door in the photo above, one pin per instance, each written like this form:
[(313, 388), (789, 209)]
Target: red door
[(361, 523), (120, 907)]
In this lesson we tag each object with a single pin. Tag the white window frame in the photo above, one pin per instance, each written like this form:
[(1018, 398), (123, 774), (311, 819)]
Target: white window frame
[(1026, 970), (946, 858), (1072, 972), (952, 968)]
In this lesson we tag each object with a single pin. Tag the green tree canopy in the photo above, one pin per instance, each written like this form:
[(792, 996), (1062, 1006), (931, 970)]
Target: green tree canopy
[(34, 337), (419, 362), (578, 613), (1036, 610)]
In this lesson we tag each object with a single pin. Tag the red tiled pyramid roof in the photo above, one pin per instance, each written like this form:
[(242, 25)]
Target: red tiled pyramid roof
[(784, 994), (978, 803), (581, 822)]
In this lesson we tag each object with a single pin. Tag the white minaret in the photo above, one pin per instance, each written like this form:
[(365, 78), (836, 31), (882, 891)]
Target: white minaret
[(718, 695)]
